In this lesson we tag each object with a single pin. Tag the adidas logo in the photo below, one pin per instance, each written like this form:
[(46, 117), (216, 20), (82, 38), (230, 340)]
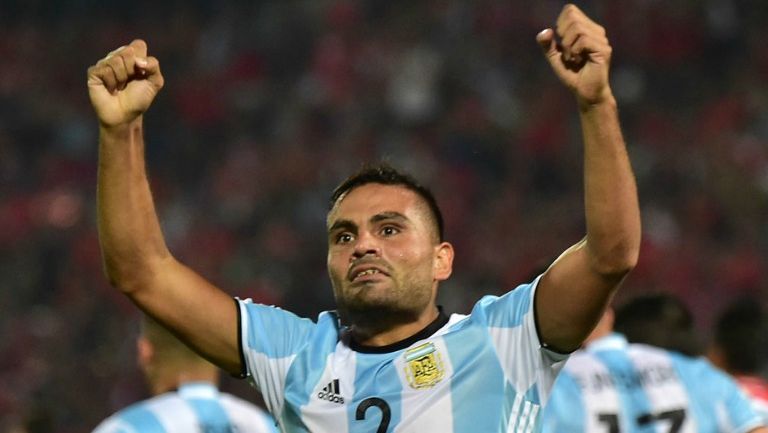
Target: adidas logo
[(331, 392)]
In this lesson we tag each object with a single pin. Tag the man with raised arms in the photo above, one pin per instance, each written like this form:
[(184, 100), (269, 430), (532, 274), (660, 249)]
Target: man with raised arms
[(389, 359)]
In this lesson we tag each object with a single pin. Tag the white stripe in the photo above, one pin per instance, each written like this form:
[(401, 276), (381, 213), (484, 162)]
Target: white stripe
[(174, 414), (723, 420), (523, 359), (515, 411), (524, 418), (246, 417), (429, 409), (586, 368), (267, 374), (269, 377), (664, 396), (321, 415), (532, 420), (198, 390)]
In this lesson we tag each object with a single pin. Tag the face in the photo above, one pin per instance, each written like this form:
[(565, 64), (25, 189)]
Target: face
[(383, 255)]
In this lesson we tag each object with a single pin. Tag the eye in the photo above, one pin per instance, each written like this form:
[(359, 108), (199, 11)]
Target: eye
[(389, 230), (344, 238)]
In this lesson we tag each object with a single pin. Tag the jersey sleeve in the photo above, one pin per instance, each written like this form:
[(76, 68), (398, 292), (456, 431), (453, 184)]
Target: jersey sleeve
[(736, 412), (733, 410), (270, 338), (511, 322)]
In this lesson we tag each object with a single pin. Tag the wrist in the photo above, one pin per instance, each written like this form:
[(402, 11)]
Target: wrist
[(121, 129), (605, 101)]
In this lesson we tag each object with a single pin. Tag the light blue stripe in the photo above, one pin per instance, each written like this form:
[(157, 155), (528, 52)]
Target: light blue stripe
[(702, 382), (410, 356), (141, 419), (275, 332), (478, 384), (507, 311), (564, 412), (508, 405), (696, 384), (211, 416), (532, 395), (306, 370), (376, 372)]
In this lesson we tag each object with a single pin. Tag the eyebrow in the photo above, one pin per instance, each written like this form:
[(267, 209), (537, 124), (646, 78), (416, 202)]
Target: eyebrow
[(388, 215)]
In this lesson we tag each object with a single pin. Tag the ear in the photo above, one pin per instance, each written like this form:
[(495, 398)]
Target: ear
[(443, 261), (145, 352)]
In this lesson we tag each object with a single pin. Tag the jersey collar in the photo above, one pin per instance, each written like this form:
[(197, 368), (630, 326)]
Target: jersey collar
[(439, 322), (612, 341)]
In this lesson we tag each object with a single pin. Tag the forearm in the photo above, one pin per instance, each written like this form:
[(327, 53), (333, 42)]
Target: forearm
[(129, 231), (610, 192)]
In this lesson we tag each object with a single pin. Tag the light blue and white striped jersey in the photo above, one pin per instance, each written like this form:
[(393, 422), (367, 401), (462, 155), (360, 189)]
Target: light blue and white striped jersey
[(196, 407), (485, 372), (756, 390), (616, 387)]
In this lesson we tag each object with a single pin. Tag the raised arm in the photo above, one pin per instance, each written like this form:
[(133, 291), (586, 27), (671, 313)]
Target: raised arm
[(122, 86), (575, 290)]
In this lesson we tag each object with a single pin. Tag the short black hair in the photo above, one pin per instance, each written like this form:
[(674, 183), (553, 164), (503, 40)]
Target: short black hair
[(385, 174), (660, 320), (741, 333)]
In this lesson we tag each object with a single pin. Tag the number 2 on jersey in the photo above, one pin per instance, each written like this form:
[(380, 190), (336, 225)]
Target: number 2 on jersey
[(386, 413)]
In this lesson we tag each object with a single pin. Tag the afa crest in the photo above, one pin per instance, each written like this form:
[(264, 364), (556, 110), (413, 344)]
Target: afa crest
[(423, 366)]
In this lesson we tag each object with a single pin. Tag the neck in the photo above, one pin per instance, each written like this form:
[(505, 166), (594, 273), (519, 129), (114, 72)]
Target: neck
[(173, 378), (371, 333), (598, 333)]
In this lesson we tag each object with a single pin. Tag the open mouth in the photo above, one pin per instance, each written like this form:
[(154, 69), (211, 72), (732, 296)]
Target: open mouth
[(365, 272)]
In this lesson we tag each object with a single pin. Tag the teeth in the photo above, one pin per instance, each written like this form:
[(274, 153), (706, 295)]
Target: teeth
[(367, 272)]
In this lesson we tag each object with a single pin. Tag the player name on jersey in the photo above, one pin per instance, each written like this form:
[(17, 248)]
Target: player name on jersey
[(653, 375)]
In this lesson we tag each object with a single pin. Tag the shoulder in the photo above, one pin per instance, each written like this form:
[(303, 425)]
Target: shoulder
[(703, 376), (246, 416), (140, 417), (251, 310), (234, 402), (509, 309), (698, 365)]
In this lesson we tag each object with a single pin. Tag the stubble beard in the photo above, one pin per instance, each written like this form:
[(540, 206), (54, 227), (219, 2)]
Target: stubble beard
[(387, 307)]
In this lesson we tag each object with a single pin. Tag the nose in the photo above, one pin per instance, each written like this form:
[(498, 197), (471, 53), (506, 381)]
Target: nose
[(366, 244)]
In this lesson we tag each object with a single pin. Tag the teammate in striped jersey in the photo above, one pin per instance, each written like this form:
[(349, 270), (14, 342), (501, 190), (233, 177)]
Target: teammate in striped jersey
[(388, 359), (186, 398), (612, 386)]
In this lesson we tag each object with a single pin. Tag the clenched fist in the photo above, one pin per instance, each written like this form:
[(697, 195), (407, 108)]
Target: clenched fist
[(123, 84), (582, 58)]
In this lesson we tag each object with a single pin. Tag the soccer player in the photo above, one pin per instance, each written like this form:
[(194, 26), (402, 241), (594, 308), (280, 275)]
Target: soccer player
[(659, 320), (388, 359), (186, 398), (613, 386), (740, 348)]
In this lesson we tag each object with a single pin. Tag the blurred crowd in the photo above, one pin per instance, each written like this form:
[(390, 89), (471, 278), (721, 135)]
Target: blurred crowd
[(268, 105)]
